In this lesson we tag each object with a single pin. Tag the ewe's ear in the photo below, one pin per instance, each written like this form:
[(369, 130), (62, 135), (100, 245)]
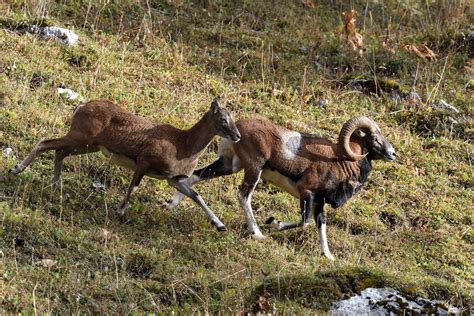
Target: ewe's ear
[(215, 105)]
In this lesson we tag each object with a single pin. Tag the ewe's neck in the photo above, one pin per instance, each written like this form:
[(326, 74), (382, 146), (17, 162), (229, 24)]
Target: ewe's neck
[(200, 135)]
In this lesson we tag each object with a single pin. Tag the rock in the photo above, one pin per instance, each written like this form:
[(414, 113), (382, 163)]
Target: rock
[(70, 94), (104, 235), (443, 105), (387, 301), (414, 96), (98, 186), (321, 103), (64, 36), (46, 263), (7, 152)]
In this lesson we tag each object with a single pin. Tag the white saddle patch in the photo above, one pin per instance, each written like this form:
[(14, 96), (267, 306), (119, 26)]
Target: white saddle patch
[(291, 142)]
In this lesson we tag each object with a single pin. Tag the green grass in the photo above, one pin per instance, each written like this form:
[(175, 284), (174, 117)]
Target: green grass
[(411, 228)]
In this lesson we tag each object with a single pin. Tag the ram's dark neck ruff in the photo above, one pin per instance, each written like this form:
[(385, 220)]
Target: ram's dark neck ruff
[(346, 189)]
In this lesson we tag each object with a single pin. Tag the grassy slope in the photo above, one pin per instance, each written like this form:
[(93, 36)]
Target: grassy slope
[(411, 228)]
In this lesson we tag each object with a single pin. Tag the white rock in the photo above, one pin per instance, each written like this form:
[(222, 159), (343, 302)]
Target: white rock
[(46, 263), (443, 105), (7, 152), (414, 96), (70, 94), (63, 35), (98, 186), (387, 301)]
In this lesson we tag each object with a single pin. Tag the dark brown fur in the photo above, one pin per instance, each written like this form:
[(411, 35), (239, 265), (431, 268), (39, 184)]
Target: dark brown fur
[(311, 168)]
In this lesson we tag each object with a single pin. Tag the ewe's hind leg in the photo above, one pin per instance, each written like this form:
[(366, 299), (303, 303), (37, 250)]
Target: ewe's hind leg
[(41, 147), (220, 167), (181, 184), (63, 153), (251, 178), (138, 175)]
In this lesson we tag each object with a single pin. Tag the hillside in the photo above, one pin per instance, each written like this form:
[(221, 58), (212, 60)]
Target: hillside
[(294, 62)]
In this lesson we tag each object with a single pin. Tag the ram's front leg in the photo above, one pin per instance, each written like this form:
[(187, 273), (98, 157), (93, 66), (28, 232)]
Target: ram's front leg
[(320, 218), (306, 206)]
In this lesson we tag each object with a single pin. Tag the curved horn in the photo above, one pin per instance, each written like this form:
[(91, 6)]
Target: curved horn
[(355, 123)]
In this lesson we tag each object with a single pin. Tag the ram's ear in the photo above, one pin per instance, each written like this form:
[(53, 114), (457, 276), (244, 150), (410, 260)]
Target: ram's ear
[(215, 105)]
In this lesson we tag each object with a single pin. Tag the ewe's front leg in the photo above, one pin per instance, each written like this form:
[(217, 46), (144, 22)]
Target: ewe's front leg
[(306, 206), (181, 184), (140, 171), (320, 218), (178, 196), (220, 167)]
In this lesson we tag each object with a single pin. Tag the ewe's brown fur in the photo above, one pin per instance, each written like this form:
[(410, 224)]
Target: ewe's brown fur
[(147, 148)]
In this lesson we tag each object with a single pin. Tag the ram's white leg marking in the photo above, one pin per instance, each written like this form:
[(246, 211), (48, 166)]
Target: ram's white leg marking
[(323, 237), (245, 203)]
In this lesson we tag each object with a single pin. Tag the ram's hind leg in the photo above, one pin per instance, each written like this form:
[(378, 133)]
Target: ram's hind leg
[(41, 147), (306, 206), (251, 177), (320, 218), (221, 167)]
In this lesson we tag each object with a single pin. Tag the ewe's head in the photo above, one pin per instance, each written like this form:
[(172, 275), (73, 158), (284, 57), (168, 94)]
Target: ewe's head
[(377, 146), (223, 122)]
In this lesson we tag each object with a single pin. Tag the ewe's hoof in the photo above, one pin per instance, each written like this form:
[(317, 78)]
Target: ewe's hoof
[(57, 184), (220, 227), (120, 211), (15, 170)]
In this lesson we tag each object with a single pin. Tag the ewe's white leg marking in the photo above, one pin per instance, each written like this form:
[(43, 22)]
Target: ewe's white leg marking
[(178, 196), (212, 217), (174, 201), (290, 144), (324, 239)]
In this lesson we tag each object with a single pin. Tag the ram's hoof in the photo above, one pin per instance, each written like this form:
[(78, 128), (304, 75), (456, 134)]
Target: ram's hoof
[(258, 236), (270, 220)]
